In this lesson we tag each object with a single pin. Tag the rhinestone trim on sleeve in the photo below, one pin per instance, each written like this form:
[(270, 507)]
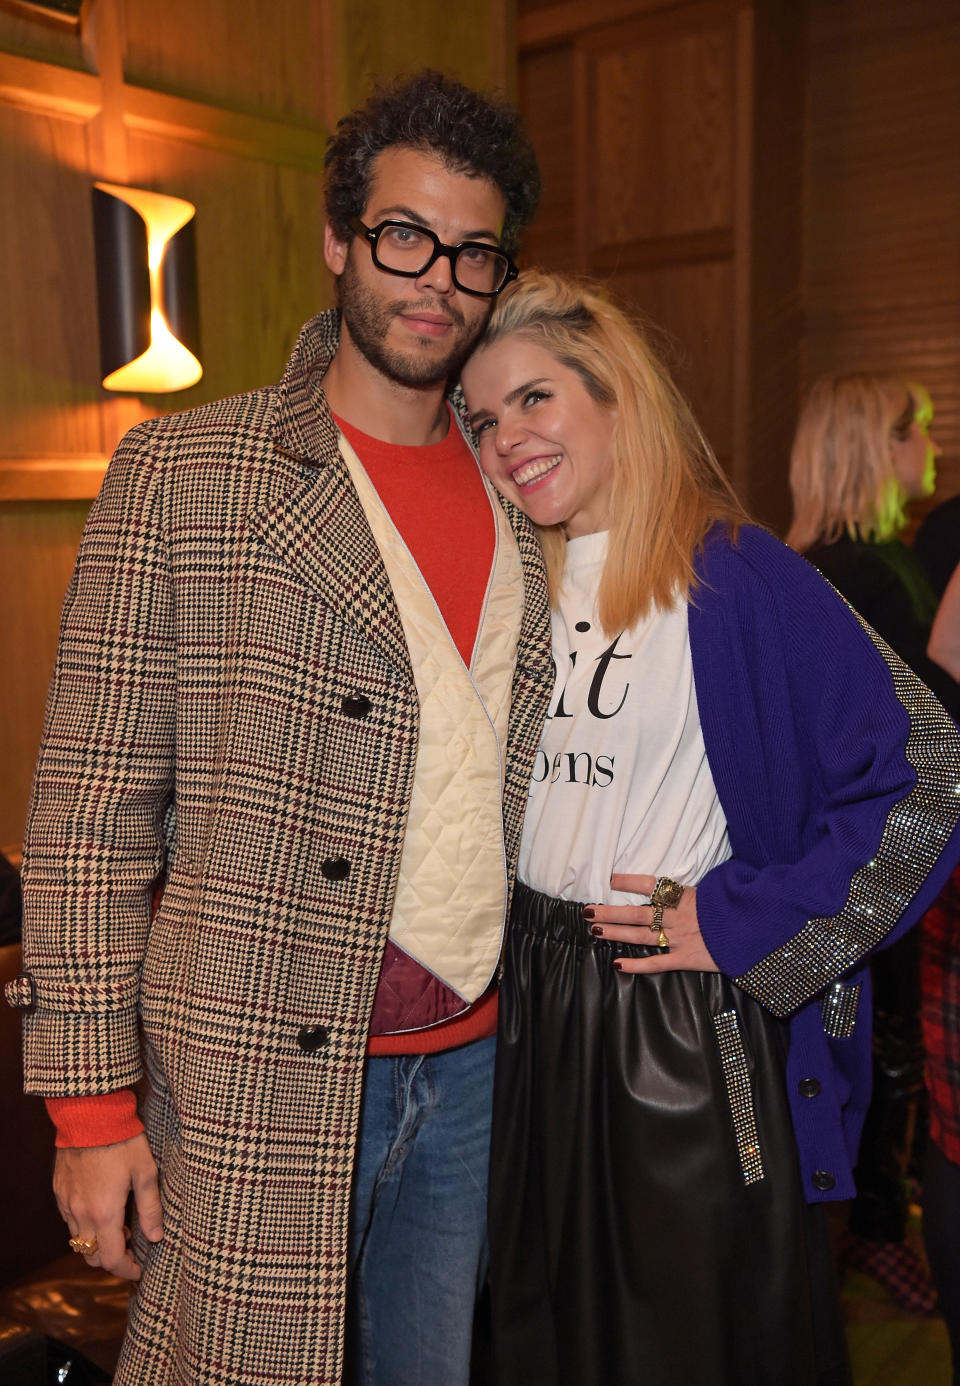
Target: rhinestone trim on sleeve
[(737, 1076), (916, 832), (838, 1009)]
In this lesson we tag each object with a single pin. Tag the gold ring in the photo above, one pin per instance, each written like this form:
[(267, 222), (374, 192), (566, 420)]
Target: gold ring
[(657, 927), (83, 1247), (666, 893)]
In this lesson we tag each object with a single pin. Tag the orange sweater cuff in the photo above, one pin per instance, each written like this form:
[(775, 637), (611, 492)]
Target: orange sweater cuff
[(103, 1119)]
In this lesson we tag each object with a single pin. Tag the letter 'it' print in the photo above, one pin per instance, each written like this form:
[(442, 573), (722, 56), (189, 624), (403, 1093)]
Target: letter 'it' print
[(602, 697)]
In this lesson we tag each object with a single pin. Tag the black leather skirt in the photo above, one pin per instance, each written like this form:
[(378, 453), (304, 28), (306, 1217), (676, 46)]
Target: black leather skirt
[(647, 1219)]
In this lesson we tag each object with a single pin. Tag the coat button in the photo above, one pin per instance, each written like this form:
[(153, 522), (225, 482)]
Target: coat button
[(808, 1087), (356, 705), (823, 1180), (312, 1037), (21, 993), (335, 868)]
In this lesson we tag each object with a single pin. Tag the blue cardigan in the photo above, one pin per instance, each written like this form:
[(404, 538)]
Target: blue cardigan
[(839, 774)]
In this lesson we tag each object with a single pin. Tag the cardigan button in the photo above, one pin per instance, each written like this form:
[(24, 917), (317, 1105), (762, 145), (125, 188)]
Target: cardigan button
[(335, 869), (312, 1037), (356, 705), (823, 1180), (809, 1087)]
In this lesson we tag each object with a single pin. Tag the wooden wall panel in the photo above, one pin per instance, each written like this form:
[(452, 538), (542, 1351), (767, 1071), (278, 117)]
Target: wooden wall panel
[(770, 320), (45, 42), (546, 82), (661, 128), (693, 305), (38, 545), (49, 347), (882, 219), (251, 55), (543, 22), (473, 40)]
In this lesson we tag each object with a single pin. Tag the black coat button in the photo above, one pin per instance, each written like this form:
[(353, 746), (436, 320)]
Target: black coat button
[(312, 1037), (335, 868), (356, 705), (21, 993), (809, 1087), (823, 1180)]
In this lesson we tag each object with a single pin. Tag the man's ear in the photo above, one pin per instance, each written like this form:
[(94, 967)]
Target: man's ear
[(334, 250)]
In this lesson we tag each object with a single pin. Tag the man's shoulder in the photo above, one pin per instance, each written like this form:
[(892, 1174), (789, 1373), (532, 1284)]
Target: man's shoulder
[(241, 424), (249, 413)]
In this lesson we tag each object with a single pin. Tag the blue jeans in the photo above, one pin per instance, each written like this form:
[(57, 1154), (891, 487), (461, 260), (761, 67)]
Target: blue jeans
[(418, 1241)]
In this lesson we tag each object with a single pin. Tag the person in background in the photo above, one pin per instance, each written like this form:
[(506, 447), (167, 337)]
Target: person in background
[(937, 540), (937, 545), (681, 1080), (943, 647), (863, 450)]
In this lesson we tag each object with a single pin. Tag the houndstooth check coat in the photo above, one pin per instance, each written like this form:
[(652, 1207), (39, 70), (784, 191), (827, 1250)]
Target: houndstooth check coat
[(233, 709)]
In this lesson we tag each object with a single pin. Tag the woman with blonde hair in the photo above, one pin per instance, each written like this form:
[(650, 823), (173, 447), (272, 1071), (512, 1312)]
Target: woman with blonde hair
[(862, 451), (676, 1095)]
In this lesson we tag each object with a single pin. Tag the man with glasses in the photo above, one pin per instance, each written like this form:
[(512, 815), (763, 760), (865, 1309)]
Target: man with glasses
[(304, 664)]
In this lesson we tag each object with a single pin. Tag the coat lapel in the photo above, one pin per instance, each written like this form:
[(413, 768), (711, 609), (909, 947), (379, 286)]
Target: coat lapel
[(319, 528)]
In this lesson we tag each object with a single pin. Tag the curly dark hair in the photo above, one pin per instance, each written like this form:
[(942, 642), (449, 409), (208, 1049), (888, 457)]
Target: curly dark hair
[(472, 133)]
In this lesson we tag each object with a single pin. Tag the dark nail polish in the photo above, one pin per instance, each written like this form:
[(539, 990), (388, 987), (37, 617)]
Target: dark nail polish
[(589, 912), (618, 966), (597, 930)]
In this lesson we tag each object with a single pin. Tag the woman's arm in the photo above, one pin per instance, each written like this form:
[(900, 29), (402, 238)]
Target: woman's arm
[(944, 644), (839, 776)]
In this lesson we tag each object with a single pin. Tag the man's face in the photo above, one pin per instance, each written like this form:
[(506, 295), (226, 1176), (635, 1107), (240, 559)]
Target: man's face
[(415, 332)]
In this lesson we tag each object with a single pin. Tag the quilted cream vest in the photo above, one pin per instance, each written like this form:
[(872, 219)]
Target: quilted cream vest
[(450, 907)]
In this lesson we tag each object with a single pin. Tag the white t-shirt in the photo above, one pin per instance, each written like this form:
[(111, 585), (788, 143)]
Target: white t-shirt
[(621, 781)]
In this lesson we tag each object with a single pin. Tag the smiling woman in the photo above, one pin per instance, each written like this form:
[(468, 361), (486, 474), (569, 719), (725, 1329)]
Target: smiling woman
[(546, 441), (683, 1055)]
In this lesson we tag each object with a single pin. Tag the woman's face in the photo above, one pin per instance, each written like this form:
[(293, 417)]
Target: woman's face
[(914, 457), (545, 442)]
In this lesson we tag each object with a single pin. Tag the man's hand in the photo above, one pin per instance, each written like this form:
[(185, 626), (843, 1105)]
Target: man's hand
[(631, 924), (92, 1186)]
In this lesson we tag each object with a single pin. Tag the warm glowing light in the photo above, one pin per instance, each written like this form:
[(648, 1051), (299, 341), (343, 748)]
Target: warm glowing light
[(166, 364)]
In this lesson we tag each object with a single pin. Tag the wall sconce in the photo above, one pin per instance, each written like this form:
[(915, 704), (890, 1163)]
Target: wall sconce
[(146, 289)]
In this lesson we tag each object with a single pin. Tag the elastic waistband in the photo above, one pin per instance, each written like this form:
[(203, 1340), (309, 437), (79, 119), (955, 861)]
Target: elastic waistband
[(533, 912)]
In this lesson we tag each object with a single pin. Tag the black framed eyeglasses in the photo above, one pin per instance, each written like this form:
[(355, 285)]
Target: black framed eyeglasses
[(402, 247)]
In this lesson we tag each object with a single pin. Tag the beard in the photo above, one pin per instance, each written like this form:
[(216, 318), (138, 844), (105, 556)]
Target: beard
[(368, 317)]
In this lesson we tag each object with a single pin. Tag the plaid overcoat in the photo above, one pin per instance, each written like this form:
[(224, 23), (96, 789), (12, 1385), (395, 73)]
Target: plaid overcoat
[(233, 709)]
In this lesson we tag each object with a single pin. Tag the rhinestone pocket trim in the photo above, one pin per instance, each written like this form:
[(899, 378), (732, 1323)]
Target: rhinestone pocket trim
[(838, 1009), (916, 832), (737, 1076)]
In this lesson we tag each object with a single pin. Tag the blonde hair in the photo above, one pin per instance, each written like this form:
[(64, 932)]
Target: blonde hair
[(667, 486), (841, 471)]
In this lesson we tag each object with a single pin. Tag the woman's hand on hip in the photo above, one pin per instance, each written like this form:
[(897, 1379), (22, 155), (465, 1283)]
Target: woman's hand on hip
[(686, 951)]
